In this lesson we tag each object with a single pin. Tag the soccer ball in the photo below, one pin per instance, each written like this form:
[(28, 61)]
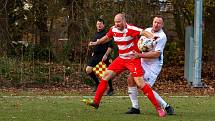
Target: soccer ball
[(145, 44)]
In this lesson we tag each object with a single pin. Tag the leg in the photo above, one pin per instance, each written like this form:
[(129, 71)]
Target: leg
[(116, 67), (133, 92), (137, 72), (93, 61), (160, 100), (150, 79), (146, 90), (89, 71), (149, 93), (110, 91), (169, 109), (103, 85)]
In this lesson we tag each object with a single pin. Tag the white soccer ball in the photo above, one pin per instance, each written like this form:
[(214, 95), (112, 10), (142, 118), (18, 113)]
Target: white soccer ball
[(145, 44)]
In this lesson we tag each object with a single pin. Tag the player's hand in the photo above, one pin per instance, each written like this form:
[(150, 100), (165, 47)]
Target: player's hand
[(92, 43), (135, 55), (155, 37), (104, 57)]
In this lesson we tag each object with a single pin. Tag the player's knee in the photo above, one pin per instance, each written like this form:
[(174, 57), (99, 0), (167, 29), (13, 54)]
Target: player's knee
[(131, 82), (89, 69), (139, 86), (108, 75), (139, 82)]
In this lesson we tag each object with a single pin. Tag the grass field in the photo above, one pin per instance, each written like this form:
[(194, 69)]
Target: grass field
[(69, 108)]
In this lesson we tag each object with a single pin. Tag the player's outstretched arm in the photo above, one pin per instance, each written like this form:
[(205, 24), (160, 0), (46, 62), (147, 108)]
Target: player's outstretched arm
[(100, 41)]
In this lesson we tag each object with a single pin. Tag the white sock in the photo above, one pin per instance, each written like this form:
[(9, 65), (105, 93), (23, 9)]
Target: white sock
[(133, 92), (160, 100)]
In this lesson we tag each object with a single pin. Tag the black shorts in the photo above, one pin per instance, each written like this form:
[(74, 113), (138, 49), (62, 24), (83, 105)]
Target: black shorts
[(95, 59)]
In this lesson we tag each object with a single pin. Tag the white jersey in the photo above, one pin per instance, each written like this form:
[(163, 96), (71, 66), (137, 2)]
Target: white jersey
[(153, 67)]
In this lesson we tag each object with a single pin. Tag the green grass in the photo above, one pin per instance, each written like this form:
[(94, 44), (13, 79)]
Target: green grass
[(55, 108)]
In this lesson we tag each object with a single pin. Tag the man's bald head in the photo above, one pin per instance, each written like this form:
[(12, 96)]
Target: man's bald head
[(120, 21), (121, 16)]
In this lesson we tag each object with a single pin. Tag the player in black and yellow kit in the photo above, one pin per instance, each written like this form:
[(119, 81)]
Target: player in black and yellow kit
[(100, 53)]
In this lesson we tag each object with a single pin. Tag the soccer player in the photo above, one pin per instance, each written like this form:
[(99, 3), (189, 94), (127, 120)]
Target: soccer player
[(100, 53), (126, 37), (152, 62)]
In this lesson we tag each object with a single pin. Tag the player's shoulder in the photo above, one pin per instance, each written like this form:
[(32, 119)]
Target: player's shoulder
[(162, 34), (111, 29), (133, 27), (149, 29)]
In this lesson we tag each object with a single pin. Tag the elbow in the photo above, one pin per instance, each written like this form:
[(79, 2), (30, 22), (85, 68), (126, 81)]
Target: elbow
[(157, 54)]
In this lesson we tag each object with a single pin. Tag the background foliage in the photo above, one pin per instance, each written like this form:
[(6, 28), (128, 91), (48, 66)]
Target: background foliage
[(45, 42)]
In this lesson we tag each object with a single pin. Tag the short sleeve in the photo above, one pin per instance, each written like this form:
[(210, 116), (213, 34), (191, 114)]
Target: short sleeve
[(161, 43), (110, 33), (136, 31)]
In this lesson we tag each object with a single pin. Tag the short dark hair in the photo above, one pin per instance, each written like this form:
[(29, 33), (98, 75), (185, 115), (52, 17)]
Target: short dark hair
[(101, 20), (159, 16)]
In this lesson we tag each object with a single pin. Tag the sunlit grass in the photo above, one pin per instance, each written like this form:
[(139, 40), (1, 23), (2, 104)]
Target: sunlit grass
[(67, 108)]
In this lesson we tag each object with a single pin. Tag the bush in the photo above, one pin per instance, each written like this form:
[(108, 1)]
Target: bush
[(55, 79), (86, 79)]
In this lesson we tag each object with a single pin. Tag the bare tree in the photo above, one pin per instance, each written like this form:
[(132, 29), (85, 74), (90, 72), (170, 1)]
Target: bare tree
[(5, 37)]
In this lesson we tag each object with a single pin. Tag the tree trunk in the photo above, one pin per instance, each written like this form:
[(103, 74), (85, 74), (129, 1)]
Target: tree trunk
[(178, 22), (74, 28), (5, 39), (209, 33), (42, 19)]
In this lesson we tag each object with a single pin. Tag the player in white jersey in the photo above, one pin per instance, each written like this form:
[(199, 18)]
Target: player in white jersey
[(151, 62)]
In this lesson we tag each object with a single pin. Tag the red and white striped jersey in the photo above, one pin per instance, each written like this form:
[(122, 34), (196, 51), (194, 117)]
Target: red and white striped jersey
[(126, 39)]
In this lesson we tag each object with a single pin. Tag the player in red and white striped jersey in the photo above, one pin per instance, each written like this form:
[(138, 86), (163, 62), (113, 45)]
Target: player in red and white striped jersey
[(126, 37)]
